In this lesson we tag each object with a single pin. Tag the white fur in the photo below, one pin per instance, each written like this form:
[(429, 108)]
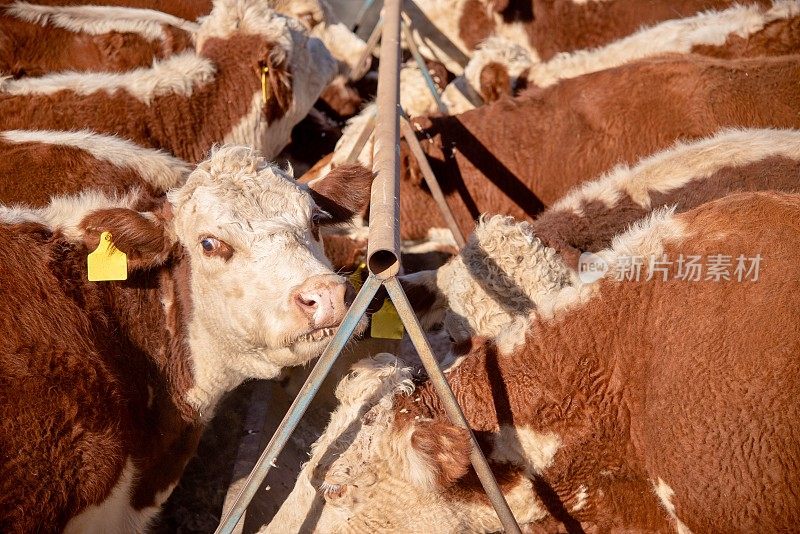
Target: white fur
[(96, 20), (368, 477), (64, 213), (158, 168), (525, 446), (677, 36), (115, 515), (665, 494), (179, 74), (684, 162), (645, 238), (244, 323), (343, 44), (463, 93), (581, 498)]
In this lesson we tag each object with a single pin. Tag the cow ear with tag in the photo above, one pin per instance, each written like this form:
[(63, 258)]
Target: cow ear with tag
[(141, 236)]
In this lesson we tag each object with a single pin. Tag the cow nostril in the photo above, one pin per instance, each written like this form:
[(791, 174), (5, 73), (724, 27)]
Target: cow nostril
[(306, 301)]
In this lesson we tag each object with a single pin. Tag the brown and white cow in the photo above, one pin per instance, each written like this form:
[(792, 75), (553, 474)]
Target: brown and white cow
[(586, 221), (452, 29), (518, 156), (187, 103), (184, 9), (652, 404), (35, 40), (105, 386), (36, 165)]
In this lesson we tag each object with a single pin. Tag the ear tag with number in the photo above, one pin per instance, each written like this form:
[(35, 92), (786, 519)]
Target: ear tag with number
[(107, 262), (386, 323)]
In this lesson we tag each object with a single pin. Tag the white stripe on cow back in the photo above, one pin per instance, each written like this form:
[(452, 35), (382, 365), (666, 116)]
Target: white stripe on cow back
[(156, 167), (682, 163), (64, 213), (665, 494), (179, 74), (678, 36), (96, 20)]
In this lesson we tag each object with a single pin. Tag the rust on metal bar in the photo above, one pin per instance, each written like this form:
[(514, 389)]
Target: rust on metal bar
[(433, 183), (383, 248)]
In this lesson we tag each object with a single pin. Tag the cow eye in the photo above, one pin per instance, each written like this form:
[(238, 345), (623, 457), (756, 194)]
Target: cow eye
[(209, 244), (214, 247), (318, 216)]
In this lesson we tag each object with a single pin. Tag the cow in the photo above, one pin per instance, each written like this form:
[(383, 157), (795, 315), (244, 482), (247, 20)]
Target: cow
[(585, 222), (106, 386), (518, 156), (184, 9), (255, 76), (35, 40), (654, 403), (36, 165), (450, 30)]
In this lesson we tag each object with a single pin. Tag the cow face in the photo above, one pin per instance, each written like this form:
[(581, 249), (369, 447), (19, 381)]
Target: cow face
[(289, 69), (502, 276), (263, 292)]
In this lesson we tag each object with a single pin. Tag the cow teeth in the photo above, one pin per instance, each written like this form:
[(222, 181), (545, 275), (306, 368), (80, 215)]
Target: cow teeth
[(317, 335)]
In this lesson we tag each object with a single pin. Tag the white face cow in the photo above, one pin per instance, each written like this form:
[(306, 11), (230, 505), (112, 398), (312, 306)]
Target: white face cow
[(263, 294), (502, 275)]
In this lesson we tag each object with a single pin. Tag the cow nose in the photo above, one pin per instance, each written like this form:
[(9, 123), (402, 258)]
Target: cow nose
[(324, 302)]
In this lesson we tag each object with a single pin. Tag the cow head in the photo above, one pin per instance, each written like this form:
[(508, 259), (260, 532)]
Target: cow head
[(295, 67), (502, 276), (262, 293), (498, 68)]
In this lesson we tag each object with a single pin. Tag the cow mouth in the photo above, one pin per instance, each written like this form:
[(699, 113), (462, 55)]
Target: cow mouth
[(316, 335)]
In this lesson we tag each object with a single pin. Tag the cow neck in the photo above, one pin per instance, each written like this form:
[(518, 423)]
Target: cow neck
[(224, 103), (151, 311)]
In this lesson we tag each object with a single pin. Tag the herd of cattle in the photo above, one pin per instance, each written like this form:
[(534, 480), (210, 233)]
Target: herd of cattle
[(621, 328)]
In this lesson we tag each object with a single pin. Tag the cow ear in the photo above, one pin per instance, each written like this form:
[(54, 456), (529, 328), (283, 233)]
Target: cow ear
[(442, 447), (343, 192), (494, 82), (275, 74), (143, 237)]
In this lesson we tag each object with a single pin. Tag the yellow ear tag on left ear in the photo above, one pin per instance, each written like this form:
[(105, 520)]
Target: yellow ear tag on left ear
[(107, 262), (386, 323), (264, 84)]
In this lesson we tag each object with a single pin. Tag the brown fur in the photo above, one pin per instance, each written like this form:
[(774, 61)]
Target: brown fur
[(31, 173), (555, 26), (77, 361), (341, 98), (185, 9), (109, 342), (571, 234), (776, 38), (517, 156), (694, 388), (349, 185), (187, 127), (494, 82), (29, 49)]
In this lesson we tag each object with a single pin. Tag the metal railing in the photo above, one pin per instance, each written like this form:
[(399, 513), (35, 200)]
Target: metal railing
[(383, 261)]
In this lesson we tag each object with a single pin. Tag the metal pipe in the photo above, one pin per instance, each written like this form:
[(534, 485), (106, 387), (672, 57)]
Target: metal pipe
[(362, 11), (423, 67), (450, 403), (299, 405), (383, 249), (362, 66), (430, 179), (363, 137)]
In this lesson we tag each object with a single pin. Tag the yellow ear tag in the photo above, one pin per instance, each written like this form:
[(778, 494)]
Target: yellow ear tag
[(386, 322), (355, 278), (264, 84), (107, 262)]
